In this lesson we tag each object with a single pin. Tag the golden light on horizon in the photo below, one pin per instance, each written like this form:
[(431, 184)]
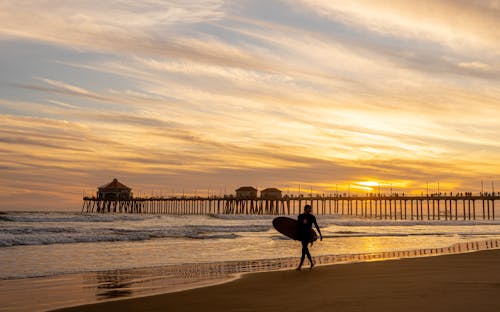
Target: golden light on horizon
[(357, 187), (368, 183)]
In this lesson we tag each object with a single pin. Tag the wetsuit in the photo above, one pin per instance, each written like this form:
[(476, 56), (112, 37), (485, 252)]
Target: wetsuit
[(306, 222)]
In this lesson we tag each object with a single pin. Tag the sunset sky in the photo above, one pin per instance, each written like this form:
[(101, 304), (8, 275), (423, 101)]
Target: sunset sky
[(205, 96)]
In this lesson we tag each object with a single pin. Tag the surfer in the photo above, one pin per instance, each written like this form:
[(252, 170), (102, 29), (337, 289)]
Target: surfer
[(306, 220)]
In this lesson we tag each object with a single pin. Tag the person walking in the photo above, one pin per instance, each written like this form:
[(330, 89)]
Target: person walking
[(305, 233)]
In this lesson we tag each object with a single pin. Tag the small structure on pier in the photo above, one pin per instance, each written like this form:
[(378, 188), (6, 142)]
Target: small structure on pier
[(246, 192), (114, 191), (270, 193)]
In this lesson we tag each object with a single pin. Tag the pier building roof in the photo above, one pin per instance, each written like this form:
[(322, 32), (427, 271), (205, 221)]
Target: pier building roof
[(114, 185), (247, 188), (270, 189)]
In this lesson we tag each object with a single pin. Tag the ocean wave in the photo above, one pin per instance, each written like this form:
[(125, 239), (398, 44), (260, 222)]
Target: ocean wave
[(382, 223), (17, 240), (280, 237), (386, 235), (251, 228), (37, 230), (326, 220), (25, 240), (216, 236), (364, 234), (45, 236), (239, 217), (41, 228), (51, 217), (16, 236), (411, 234)]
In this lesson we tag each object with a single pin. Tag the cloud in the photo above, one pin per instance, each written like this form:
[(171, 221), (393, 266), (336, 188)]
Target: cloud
[(475, 66), (62, 104), (199, 94), (98, 17), (432, 20), (154, 28), (62, 88), (427, 36)]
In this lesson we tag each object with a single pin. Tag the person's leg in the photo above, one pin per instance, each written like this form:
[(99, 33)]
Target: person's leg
[(304, 252), (308, 254)]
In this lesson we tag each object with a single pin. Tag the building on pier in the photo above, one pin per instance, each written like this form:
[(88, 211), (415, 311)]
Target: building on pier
[(270, 193), (114, 190), (246, 192)]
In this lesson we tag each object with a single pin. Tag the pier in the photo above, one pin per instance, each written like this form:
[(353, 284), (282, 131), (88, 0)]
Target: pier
[(393, 207)]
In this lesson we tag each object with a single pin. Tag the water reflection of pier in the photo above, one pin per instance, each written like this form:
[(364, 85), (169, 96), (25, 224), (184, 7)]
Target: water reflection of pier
[(396, 207), (147, 281)]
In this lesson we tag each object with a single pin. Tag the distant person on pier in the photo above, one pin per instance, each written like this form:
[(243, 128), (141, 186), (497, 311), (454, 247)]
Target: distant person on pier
[(306, 220)]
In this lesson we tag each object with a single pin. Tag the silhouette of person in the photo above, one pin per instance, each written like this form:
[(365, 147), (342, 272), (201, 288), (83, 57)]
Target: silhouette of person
[(306, 220)]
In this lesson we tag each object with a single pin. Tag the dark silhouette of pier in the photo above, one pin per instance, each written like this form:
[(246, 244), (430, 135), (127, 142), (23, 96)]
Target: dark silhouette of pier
[(461, 206)]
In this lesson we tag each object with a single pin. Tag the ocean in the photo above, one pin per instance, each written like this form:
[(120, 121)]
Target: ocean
[(60, 249)]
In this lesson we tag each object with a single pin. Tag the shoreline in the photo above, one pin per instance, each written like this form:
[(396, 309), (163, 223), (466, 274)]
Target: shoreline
[(453, 282)]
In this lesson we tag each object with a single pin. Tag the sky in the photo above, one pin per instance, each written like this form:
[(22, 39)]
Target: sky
[(201, 97)]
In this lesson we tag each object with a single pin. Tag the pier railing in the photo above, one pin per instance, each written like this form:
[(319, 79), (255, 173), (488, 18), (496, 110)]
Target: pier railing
[(395, 207)]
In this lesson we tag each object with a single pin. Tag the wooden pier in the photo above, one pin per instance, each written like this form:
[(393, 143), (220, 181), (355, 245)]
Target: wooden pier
[(395, 207)]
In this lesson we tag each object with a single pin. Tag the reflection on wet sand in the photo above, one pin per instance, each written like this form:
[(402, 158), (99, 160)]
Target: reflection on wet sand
[(113, 284), (147, 281)]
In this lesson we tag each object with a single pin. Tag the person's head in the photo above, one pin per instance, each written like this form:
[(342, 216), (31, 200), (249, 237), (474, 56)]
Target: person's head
[(308, 208)]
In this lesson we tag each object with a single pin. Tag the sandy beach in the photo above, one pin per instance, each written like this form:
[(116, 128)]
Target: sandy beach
[(463, 282)]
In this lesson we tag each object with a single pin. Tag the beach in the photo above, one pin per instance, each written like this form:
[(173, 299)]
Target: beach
[(461, 282)]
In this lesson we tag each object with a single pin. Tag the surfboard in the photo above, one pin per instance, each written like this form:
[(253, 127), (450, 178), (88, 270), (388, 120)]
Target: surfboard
[(288, 227)]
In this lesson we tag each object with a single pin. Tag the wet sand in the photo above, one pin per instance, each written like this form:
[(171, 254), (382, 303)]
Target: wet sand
[(463, 282)]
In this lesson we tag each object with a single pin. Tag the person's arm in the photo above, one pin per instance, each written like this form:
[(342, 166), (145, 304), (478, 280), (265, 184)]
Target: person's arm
[(317, 228)]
